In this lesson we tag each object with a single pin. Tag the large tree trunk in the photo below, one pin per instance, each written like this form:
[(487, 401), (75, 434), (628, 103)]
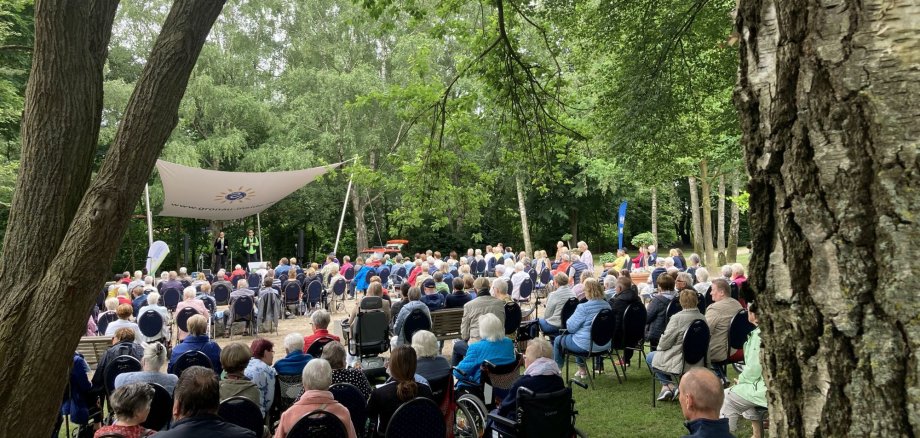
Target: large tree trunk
[(827, 96), (655, 217), (734, 224), (706, 201), (573, 227), (358, 205), (720, 218), (64, 230), (696, 227), (522, 209)]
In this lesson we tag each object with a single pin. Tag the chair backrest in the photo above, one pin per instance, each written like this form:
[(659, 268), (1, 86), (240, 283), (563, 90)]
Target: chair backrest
[(526, 288), (288, 388), (634, 318), (510, 285), (602, 327), (695, 345), (190, 359), (546, 276), (545, 414), (150, 323), (316, 348), (339, 287), (739, 329), (512, 318), (533, 275), (384, 276), (314, 291), (234, 280), (292, 292), (371, 303), (160, 408), (242, 308), (481, 266), (222, 291), (417, 418), (351, 397), (442, 388), (171, 298), (492, 262), (318, 424), (254, 280), (183, 316), (501, 376), (349, 273), (301, 277), (370, 274), (242, 412), (401, 273), (568, 309), (371, 333), (415, 321), (121, 364), (474, 267), (673, 308), (701, 303)]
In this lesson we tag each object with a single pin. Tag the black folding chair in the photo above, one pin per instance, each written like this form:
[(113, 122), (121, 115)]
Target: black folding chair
[(160, 408), (191, 359), (384, 276), (254, 280), (121, 364), (541, 415), (513, 318), (338, 294), (242, 412), (417, 418), (318, 424), (314, 294), (632, 334), (481, 267), (171, 298), (415, 321), (292, 293), (316, 348), (151, 325), (351, 397), (183, 316), (244, 311), (694, 348), (288, 388), (568, 309), (738, 330), (222, 291), (601, 333), (104, 320), (369, 336)]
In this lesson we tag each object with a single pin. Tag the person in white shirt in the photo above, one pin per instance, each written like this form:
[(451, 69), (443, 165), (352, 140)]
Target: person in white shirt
[(586, 256), (517, 278)]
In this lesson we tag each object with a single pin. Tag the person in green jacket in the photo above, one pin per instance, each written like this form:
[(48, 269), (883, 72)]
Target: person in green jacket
[(251, 247), (749, 392)]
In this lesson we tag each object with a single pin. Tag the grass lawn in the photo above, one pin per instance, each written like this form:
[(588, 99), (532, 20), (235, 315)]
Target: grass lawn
[(625, 410)]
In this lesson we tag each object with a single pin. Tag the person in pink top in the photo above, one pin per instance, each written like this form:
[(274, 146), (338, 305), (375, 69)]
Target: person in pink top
[(317, 376), (189, 300)]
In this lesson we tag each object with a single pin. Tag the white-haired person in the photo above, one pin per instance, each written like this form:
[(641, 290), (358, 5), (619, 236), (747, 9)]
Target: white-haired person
[(190, 300), (153, 362), (292, 364), (131, 405), (317, 376), (737, 275), (702, 281), (586, 256), (541, 375), (122, 294), (430, 365), (517, 278), (578, 327), (153, 303), (493, 347)]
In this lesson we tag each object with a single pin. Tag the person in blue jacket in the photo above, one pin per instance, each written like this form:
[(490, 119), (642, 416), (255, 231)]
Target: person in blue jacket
[(75, 400), (493, 347), (578, 339), (361, 275), (296, 359), (197, 340)]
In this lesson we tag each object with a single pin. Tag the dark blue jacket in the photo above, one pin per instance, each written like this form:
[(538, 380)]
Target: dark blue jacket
[(457, 299), (293, 363), (537, 384), (705, 428), (205, 426), (434, 301), (139, 302), (200, 343), (655, 274), (75, 401)]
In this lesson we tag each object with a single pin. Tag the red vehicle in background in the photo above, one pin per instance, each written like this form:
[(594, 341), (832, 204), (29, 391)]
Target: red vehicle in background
[(393, 248)]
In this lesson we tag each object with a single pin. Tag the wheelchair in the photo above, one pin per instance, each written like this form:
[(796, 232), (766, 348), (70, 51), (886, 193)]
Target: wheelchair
[(549, 415), (477, 399), (369, 336)]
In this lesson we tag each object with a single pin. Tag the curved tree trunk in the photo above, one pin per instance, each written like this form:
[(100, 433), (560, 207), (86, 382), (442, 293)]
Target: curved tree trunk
[(697, 229), (64, 230), (827, 96), (359, 206)]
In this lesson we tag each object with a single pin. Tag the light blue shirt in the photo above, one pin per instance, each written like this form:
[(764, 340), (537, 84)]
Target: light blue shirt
[(579, 324)]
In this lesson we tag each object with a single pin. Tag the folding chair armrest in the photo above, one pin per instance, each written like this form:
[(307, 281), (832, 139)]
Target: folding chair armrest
[(503, 421)]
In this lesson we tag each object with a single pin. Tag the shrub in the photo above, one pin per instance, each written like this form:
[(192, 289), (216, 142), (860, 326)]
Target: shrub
[(607, 257), (643, 239)]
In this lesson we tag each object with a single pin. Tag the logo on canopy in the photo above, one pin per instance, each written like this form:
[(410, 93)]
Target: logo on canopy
[(239, 195)]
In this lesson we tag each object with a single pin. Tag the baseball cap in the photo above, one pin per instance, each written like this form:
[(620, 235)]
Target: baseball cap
[(428, 283)]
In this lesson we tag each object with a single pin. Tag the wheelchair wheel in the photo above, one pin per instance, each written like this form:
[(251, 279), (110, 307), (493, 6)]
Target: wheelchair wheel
[(579, 434), (471, 416)]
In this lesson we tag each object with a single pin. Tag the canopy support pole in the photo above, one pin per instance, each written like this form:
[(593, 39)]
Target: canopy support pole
[(149, 216), (259, 228), (342, 219)]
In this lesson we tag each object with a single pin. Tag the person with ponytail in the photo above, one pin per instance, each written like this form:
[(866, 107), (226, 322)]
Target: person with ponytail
[(398, 389), (153, 362)]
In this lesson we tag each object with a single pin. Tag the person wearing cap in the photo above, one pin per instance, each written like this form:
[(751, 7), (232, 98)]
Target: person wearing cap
[(431, 297)]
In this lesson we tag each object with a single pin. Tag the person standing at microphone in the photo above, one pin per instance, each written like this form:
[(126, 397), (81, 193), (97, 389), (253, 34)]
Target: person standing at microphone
[(251, 247), (220, 251)]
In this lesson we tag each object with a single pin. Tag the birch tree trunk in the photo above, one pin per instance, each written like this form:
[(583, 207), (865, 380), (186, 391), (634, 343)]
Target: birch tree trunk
[(655, 216), (734, 224), (359, 206), (64, 230), (827, 96), (710, 252), (720, 219), (695, 227), (522, 209)]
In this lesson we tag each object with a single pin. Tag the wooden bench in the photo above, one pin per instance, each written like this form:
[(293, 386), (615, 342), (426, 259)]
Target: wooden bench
[(445, 323), (93, 348)]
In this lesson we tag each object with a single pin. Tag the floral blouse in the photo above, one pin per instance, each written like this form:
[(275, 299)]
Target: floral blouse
[(264, 377)]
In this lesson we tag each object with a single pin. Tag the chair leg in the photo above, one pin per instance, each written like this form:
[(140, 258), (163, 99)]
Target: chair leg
[(620, 360), (615, 366), (591, 370)]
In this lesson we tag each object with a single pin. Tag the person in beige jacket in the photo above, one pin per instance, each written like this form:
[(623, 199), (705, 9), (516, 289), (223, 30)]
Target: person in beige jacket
[(719, 316), (486, 301), (668, 358)]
